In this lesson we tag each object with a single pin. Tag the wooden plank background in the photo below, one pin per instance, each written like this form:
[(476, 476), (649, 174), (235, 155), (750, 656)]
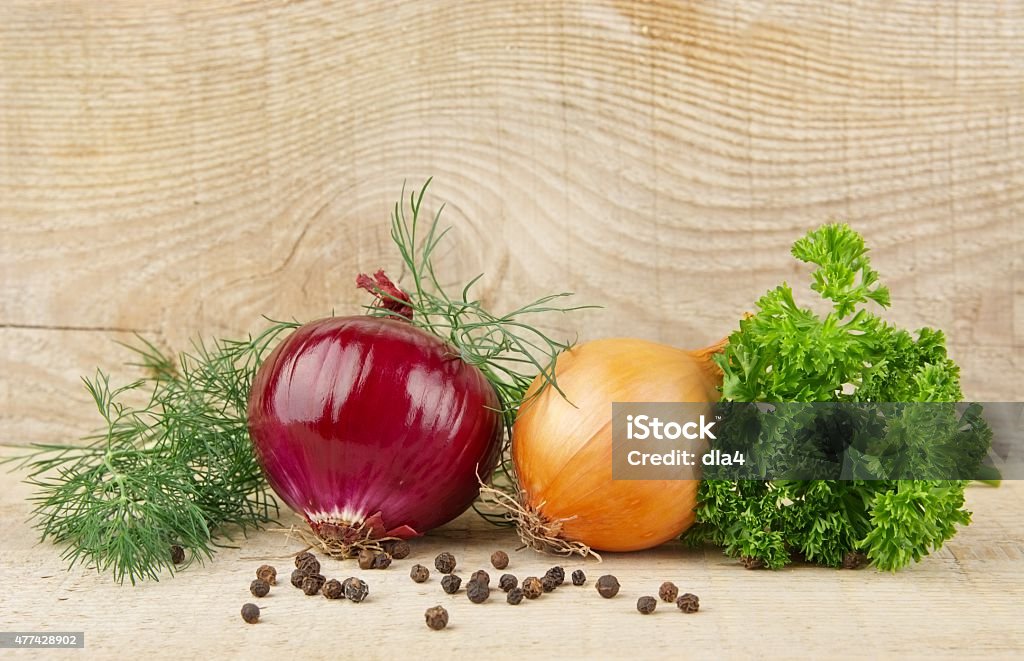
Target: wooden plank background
[(179, 169)]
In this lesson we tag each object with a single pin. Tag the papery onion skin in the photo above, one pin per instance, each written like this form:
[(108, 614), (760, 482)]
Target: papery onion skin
[(372, 422), (562, 446)]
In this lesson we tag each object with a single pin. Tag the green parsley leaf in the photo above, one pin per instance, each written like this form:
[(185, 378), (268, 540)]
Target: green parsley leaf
[(787, 353)]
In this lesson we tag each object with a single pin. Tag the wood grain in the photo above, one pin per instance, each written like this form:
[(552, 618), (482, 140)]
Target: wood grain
[(182, 170), (962, 602)]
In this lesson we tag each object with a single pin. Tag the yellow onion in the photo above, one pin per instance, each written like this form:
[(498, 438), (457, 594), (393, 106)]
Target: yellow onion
[(562, 447)]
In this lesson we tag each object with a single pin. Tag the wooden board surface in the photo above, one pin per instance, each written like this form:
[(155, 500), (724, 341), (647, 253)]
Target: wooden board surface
[(963, 602), (178, 170), (183, 170)]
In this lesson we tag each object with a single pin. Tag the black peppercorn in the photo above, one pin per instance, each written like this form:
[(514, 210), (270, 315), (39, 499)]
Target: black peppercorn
[(445, 563), (419, 573), (310, 566), (668, 591), (482, 576), (515, 596), (268, 574), (556, 573), (508, 582), (251, 613), (297, 577), (312, 584), (548, 583), (381, 561), (532, 587), (355, 589), (450, 583), (499, 559), (177, 554), (366, 558), (401, 550), (578, 577), (332, 589), (437, 618), (259, 588), (646, 605), (752, 563), (303, 557), (608, 586), (854, 560), (477, 592), (688, 603)]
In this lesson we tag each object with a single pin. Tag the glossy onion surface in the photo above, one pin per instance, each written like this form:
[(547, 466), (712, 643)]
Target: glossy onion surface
[(365, 424)]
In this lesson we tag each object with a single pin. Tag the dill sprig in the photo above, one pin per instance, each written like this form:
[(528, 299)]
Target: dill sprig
[(177, 469), (180, 469), (507, 349)]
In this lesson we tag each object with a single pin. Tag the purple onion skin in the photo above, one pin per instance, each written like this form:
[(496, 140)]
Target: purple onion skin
[(364, 420)]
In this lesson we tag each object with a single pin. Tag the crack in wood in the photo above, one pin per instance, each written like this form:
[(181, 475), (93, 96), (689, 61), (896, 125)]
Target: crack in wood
[(71, 328)]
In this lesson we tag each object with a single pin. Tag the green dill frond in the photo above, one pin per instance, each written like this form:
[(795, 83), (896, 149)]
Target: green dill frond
[(180, 468), (177, 470)]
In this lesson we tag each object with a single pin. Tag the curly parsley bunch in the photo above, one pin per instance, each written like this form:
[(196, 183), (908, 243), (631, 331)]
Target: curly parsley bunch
[(785, 353)]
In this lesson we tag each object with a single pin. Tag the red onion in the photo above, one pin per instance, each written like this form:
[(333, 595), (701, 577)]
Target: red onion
[(371, 427)]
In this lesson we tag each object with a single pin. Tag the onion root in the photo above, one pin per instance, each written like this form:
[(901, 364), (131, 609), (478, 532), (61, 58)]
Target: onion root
[(536, 530), (338, 549)]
